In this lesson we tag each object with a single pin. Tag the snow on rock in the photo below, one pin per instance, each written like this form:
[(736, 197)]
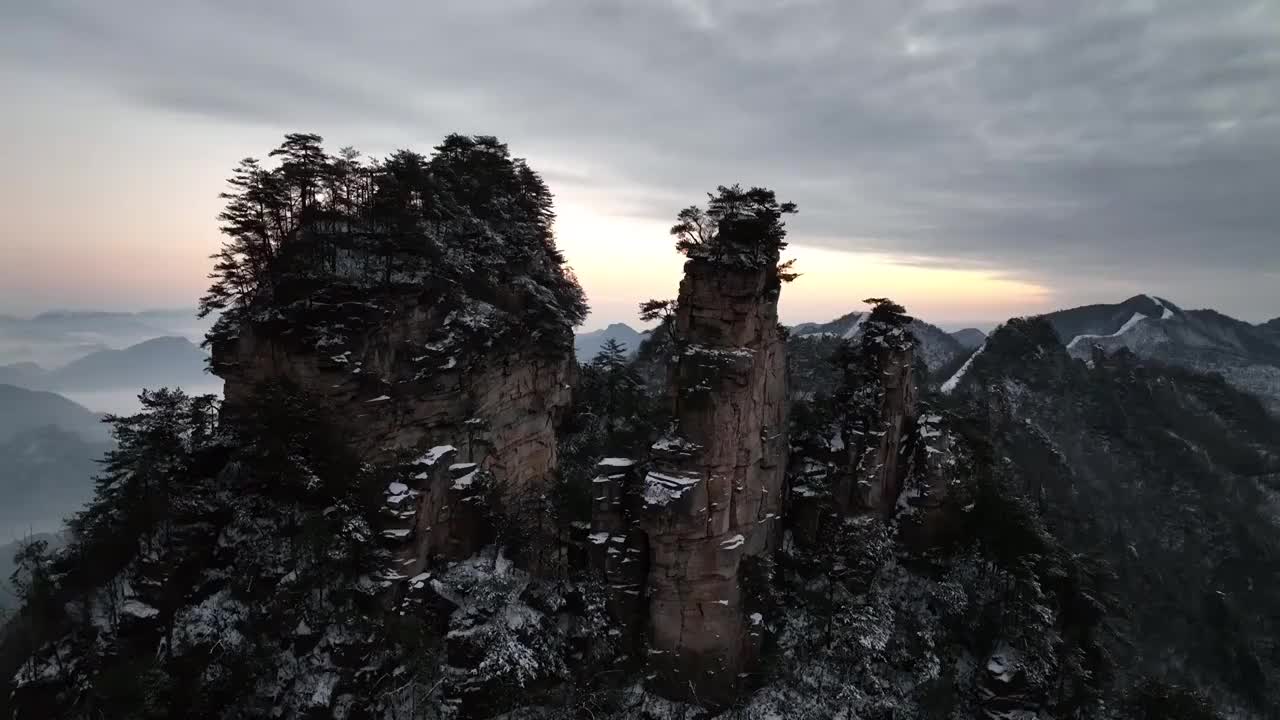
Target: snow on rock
[(397, 533), (733, 543), (1003, 663), (598, 538), (617, 462), (397, 488), (954, 380), (465, 481), (661, 489), (1126, 327), (432, 456), (675, 444), (138, 609), (857, 325), (380, 398)]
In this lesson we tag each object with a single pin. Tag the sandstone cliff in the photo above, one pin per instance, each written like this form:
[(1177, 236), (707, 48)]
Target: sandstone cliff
[(413, 375), (713, 495)]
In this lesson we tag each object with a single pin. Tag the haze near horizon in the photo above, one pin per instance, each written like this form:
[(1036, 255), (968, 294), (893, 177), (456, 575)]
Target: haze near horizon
[(974, 160)]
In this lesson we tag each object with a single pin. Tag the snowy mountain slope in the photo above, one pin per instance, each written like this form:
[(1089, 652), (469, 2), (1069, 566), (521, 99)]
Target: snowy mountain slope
[(1248, 356), (952, 382), (1165, 474), (1106, 319)]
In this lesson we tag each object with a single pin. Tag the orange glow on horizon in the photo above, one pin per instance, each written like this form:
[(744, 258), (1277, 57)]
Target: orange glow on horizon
[(621, 262)]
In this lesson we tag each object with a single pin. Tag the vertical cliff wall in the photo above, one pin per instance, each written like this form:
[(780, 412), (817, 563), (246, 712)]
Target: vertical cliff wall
[(713, 493), (403, 383)]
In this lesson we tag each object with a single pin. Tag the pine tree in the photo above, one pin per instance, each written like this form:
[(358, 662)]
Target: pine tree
[(738, 226)]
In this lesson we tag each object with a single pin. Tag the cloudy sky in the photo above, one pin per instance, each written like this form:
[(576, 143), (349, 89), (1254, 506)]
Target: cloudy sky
[(972, 159)]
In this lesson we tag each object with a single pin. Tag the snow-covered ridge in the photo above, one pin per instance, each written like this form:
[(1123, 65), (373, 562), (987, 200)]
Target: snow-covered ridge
[(1126, 327), (954, 380), (853, 329)]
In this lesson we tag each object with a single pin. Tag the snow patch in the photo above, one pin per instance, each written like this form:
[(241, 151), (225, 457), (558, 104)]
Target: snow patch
[(432, 456), (617, 462), (660, 489), (1129, 325), (1003, 663), (733, 543), (138, 609), (1165, 312), (954, 380), (857, 325), (465, 481)]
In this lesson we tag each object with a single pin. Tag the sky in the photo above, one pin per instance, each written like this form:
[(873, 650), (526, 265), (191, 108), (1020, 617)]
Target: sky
[(973, 159)]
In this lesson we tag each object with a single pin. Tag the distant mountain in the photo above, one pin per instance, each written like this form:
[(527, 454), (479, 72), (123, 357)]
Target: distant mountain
[(46, 473), (1247, 356), (49, 448), (938, 349), (59, 337), (22, 410), (23, 374), (1106, 319), (89, 322), (587, 345), (969, 338), (163, 361)]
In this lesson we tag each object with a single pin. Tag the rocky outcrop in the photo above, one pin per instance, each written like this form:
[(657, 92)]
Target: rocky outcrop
[(876, 456), (880, 394), (712, 495), (617, 547), (405, 383)]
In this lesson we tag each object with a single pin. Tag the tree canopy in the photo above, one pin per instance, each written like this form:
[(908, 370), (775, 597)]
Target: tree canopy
[(742, 227), (470, 214)]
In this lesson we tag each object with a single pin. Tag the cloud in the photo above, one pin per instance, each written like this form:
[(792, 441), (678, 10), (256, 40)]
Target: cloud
[(1079, 144)]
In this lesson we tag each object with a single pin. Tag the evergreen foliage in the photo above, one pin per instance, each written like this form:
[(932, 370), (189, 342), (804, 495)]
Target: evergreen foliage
[(738, 227), (469, 216)]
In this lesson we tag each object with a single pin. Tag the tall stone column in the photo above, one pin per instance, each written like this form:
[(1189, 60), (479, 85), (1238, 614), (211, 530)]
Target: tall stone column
[(713, 493)]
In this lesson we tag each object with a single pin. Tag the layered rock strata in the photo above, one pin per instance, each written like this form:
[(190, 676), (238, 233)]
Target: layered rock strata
[(403, 385), (712, 495)]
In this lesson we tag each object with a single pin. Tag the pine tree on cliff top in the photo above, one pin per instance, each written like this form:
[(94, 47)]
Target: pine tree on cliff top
[(470, 214), (739, 227)]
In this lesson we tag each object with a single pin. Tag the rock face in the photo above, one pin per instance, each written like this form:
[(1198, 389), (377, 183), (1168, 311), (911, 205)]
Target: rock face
[(617, 547), (876, 462), (713, 494), (404, 385)]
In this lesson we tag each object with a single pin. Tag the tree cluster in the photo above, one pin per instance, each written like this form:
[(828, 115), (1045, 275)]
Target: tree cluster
[(470, 214), (738, 227)]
